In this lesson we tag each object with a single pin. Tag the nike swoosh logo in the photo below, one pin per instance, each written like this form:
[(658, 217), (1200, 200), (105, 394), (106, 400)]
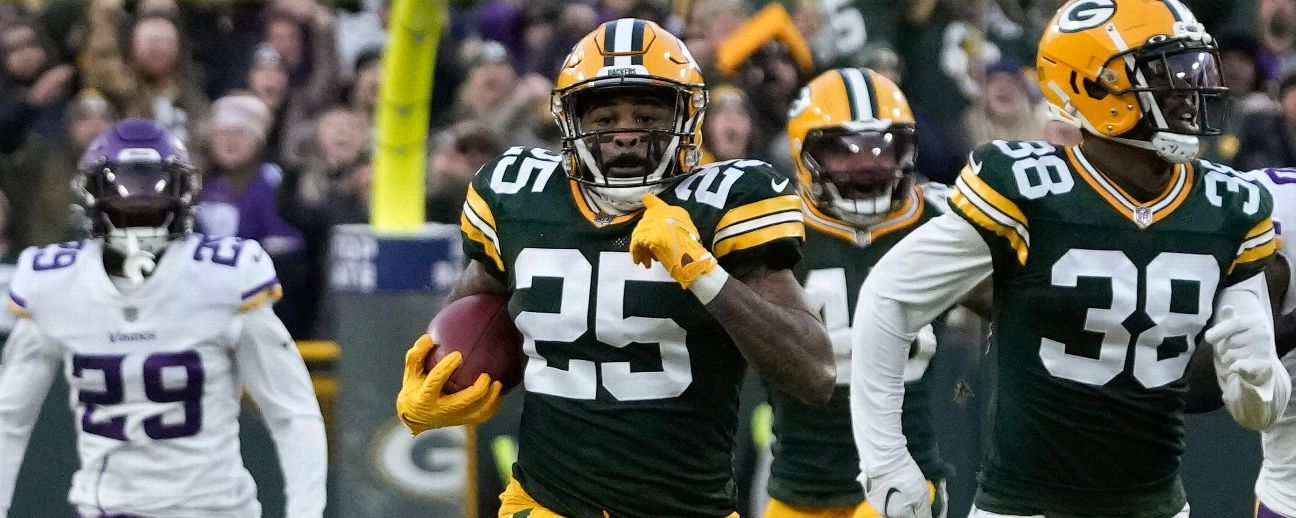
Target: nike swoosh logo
[(778, 186), (886, 502), (976, 166)]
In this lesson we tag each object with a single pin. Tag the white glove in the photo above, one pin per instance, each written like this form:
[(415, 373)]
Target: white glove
[(899, 493), (1243, 366)]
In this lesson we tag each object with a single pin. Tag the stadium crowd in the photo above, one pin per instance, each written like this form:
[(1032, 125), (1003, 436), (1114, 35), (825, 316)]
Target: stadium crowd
[(277, 98)]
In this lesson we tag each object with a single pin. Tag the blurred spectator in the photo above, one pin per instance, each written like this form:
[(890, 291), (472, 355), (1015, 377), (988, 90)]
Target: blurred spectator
[(38, 173), (240, 197), (1269, 139), (1240, 67), (360, 32), (886, 62), (708, 23), (1277, 28), (1005, 110), (457, 153), (769, 60), (727, 133), (151, 76), (363, 95), (33, 83), (328, 148), (268, 80), (512, 108)]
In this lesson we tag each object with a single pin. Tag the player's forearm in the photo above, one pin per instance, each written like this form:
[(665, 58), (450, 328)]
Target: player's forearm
[(1253, 405), (473, 281), (302, 448), (927, 272), (787, 346)]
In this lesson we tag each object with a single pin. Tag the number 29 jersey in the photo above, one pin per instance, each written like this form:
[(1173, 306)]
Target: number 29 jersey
[(154, 390), (1099, 301), (631, 385)]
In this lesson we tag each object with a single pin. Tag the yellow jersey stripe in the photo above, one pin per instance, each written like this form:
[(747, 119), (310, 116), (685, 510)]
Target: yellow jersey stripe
[(991, 196), (760, 208), (479, 206), (1256, 253), (271, 293), (17, 310), (759, 236), (974, 213), (474, 233), (1260, 228)]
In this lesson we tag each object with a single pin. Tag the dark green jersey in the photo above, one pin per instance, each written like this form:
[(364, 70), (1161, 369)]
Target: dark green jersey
[(631, 386), (1098, 304), (815, 460)]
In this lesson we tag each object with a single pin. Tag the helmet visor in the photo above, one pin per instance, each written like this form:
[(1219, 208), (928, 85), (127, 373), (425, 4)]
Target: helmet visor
[(144, 194), (859, 164), (1182, 89)]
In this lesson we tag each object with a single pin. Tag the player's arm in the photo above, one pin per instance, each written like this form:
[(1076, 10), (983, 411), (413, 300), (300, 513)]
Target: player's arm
[(1254, 383), (475, 280), (765, 312), (27, 368), (927, 272), (276, 378)]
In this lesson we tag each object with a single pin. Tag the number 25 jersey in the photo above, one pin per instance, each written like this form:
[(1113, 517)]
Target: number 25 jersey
[(1099, 301), (631, 385)]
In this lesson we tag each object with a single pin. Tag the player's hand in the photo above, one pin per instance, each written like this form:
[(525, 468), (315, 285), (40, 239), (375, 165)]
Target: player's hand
[(422, 406), (900, 493), (1238, 340), (667, 234)]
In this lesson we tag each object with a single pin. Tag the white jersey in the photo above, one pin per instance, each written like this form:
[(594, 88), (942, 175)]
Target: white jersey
[(156, 374), (1276, 485)]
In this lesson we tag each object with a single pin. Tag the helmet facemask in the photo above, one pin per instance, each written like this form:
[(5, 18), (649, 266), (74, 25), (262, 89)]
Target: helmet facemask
[(138, 207), (620, 164), (1179, 88), (860, 172)]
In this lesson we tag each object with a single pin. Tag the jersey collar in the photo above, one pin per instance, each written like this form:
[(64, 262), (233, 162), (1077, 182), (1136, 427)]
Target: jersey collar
[(591, 212), (904, 217), (1143, 214)]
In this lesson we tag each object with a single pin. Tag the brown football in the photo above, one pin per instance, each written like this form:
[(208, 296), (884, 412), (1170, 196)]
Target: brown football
[(480, 328)]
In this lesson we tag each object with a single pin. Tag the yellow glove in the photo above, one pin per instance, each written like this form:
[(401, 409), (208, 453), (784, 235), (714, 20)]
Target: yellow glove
[(666, 233), (422, 406)]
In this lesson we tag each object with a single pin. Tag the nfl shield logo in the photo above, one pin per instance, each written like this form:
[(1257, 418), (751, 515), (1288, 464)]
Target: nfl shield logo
[(1143, 217), (131, 313)]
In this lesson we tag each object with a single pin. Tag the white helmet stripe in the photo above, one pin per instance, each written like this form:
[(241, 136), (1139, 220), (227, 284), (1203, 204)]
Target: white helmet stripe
[(859, 92), (623, 33)]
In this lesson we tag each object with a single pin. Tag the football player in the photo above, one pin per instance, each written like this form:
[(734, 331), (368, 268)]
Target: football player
[(1110, 260), (1276, 486), (158, 331), (641, 283), (853, 142)]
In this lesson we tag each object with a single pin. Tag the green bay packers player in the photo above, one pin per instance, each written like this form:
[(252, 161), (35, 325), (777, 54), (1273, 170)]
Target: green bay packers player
[(853, 138), (641, 283), (1110, 261)]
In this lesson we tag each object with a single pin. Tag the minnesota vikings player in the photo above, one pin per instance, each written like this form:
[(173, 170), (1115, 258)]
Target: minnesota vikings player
[(158, 331)]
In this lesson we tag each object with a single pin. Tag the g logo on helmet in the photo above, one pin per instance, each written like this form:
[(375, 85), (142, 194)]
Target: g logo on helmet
[(1085, 14)]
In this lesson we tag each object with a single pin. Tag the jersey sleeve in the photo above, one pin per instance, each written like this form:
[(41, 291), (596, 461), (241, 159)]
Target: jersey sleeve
[(28, 365), (258, 282), (985, 196), (1261, 239), (477, 223), (760, 220), (20, 286)]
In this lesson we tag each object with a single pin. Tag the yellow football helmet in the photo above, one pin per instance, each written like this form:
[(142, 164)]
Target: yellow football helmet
[(636, 56), (1141, 72), (854, 143)]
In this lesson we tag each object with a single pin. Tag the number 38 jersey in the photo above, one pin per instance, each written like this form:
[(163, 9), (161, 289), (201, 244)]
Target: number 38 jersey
[(815, 460), (154, 392), (631, 385), (1099, 302)]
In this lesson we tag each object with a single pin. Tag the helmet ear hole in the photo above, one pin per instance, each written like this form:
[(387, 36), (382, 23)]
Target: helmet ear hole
[(1094, 89)]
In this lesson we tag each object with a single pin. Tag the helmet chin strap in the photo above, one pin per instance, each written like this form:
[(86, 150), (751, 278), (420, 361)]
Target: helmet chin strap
[(139, 247), (1173, 147)]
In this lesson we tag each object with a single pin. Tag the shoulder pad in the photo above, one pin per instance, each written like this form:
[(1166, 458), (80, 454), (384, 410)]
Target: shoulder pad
[(518, 170), (739, 204), (241, 263), (40, 269)]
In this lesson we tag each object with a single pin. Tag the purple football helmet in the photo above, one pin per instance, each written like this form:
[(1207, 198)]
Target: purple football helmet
[(136, 174)]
